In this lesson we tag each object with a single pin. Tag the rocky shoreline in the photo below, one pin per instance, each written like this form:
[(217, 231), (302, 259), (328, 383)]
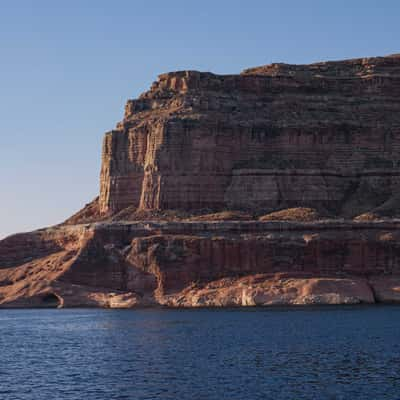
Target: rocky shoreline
[(202, 264)]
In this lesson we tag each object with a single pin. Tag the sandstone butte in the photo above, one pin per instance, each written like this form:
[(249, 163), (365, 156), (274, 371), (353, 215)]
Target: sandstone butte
[(280, 185)]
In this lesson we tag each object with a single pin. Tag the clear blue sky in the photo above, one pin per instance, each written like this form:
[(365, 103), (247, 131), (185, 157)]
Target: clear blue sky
[(67, 68)]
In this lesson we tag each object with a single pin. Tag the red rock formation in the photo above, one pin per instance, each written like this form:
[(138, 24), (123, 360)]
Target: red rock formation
[(324, 136), (202, 263), (199, 151)]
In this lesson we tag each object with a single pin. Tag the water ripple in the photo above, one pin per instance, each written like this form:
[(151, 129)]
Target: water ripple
[(316, 353)]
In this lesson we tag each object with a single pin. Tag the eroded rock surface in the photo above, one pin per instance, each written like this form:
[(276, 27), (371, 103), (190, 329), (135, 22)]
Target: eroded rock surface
[(280, 185), (324, 136), (192, 264)]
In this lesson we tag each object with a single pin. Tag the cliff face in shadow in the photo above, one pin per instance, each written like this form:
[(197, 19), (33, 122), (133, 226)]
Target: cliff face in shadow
[(280, 185)]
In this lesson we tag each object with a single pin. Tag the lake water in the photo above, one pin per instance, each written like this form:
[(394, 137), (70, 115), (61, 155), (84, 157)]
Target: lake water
[(303, 353)]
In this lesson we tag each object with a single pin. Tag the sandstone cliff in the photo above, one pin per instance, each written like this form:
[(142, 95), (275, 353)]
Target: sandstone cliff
[(325, 136), (280, 185), (227, 263)]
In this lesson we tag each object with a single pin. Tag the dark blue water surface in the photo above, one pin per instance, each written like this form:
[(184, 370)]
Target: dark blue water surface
[(308, 353)]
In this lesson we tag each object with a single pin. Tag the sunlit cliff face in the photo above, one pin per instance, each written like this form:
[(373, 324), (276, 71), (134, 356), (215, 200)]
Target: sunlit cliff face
[(322, 136)]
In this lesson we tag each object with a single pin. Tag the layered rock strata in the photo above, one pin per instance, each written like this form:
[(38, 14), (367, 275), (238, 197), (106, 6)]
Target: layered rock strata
[(325, 136), (202, 264), (277, 186)]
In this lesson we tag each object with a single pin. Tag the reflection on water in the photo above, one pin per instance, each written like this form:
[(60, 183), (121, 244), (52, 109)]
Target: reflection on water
[(309, 353)]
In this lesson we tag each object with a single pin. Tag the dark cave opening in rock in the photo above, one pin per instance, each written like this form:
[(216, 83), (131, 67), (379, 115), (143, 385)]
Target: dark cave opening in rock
[(51, 300)]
